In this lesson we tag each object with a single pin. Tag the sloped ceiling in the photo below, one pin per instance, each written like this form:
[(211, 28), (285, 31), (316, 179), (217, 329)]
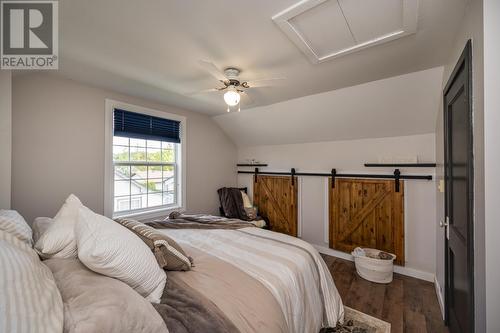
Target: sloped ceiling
[(397, 106), (151, 49)]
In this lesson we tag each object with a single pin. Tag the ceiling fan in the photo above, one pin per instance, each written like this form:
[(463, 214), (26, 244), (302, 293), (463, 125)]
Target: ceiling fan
[(234, 88)]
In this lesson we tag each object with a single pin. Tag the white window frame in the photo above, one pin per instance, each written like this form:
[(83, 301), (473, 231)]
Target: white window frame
[(110, 106)]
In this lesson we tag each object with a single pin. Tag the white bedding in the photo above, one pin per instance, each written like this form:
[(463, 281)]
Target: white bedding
[(291, 269)]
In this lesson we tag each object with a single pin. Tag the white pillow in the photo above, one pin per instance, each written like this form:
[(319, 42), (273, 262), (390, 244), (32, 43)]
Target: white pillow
[(108, 248), (39, 226), (13, 223), (247, 203), (58, 241)]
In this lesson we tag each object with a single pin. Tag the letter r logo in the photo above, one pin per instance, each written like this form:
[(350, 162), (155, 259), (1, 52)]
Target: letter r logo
[(27, 28)]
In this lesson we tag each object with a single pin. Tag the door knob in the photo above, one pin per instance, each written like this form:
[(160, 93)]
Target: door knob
[(444, 222)]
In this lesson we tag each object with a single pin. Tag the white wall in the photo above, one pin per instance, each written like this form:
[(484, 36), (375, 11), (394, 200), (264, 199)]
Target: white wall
[(492, 161), (5, 138), (58, 147), (350, 156), (471, 28)]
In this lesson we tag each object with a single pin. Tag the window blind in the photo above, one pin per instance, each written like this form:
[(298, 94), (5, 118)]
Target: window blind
[(140, 126)]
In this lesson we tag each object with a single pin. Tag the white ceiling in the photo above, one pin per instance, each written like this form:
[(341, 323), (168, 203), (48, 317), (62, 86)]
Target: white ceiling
[(152, 48), (396, 106)]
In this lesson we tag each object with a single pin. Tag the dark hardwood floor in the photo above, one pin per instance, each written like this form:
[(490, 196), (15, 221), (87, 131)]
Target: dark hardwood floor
[(409, 304)]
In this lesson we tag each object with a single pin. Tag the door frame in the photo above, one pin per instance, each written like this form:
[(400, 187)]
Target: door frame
[(465, 60)]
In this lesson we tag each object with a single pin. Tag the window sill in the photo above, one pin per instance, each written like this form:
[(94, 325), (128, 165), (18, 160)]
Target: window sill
[(151, 213)]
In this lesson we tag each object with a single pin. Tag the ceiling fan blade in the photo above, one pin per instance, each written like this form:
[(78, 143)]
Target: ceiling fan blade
[(245, 98), (212, 69), (204, 91), (264, 82)]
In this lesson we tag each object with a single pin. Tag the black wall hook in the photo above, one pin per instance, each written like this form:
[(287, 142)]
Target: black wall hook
[(397, 175), (293, 176)]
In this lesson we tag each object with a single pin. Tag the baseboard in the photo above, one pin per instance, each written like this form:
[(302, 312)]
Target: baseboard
[(397, 269), (418, 274), (332, 252), (439, 296)]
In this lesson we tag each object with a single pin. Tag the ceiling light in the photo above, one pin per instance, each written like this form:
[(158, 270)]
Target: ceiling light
[(232, 97)]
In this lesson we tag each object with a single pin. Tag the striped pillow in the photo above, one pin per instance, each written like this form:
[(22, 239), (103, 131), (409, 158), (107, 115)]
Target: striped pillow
[(29, 298), (168, 253), (13, 223), (112, 250)]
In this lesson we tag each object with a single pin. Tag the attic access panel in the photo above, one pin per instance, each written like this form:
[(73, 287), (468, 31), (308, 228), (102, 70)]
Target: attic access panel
[(326, 29)]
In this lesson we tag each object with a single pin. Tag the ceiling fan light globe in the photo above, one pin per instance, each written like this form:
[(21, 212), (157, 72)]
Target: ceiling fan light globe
[(231, 98)]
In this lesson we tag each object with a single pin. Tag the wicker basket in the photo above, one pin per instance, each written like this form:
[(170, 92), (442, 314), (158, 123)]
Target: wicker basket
[(372, 269)]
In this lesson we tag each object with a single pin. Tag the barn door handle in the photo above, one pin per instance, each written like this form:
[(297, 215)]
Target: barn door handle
[(293, 176), (444, 222), (397, 175), (334, 173)]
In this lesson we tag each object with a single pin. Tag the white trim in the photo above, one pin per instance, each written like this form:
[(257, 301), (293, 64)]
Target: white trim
[(416, 273), (326, 211), (299, 208), (283, 18), (110, 105), (108, 159), (437, 286), (405, 218), (332, 252), (397, 269), (151, 213)]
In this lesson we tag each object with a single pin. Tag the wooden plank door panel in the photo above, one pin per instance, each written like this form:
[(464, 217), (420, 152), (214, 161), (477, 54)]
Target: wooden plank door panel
[(367, 213), (276, 200)]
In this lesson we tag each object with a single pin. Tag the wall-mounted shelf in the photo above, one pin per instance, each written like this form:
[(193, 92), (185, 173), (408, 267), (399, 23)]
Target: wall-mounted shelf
[(251, 165), (401, 165)]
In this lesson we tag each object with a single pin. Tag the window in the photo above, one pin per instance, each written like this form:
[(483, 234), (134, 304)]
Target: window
[(145, 173), (145, 161)]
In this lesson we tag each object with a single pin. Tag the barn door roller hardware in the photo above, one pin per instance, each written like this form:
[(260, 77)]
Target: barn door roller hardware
[(334, 174), (397, 176), (256, 172)]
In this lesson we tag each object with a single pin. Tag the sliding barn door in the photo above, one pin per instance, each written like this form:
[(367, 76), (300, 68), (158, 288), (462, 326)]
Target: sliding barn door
[(367, 213), (276, 200)]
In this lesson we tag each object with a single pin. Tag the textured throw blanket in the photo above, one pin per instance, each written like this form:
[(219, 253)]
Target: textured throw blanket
[(185, 310), (232, 203), (199, 221)]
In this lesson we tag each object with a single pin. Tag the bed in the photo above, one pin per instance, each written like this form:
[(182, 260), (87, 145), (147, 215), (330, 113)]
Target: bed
[(261, 281), (243, 279)]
